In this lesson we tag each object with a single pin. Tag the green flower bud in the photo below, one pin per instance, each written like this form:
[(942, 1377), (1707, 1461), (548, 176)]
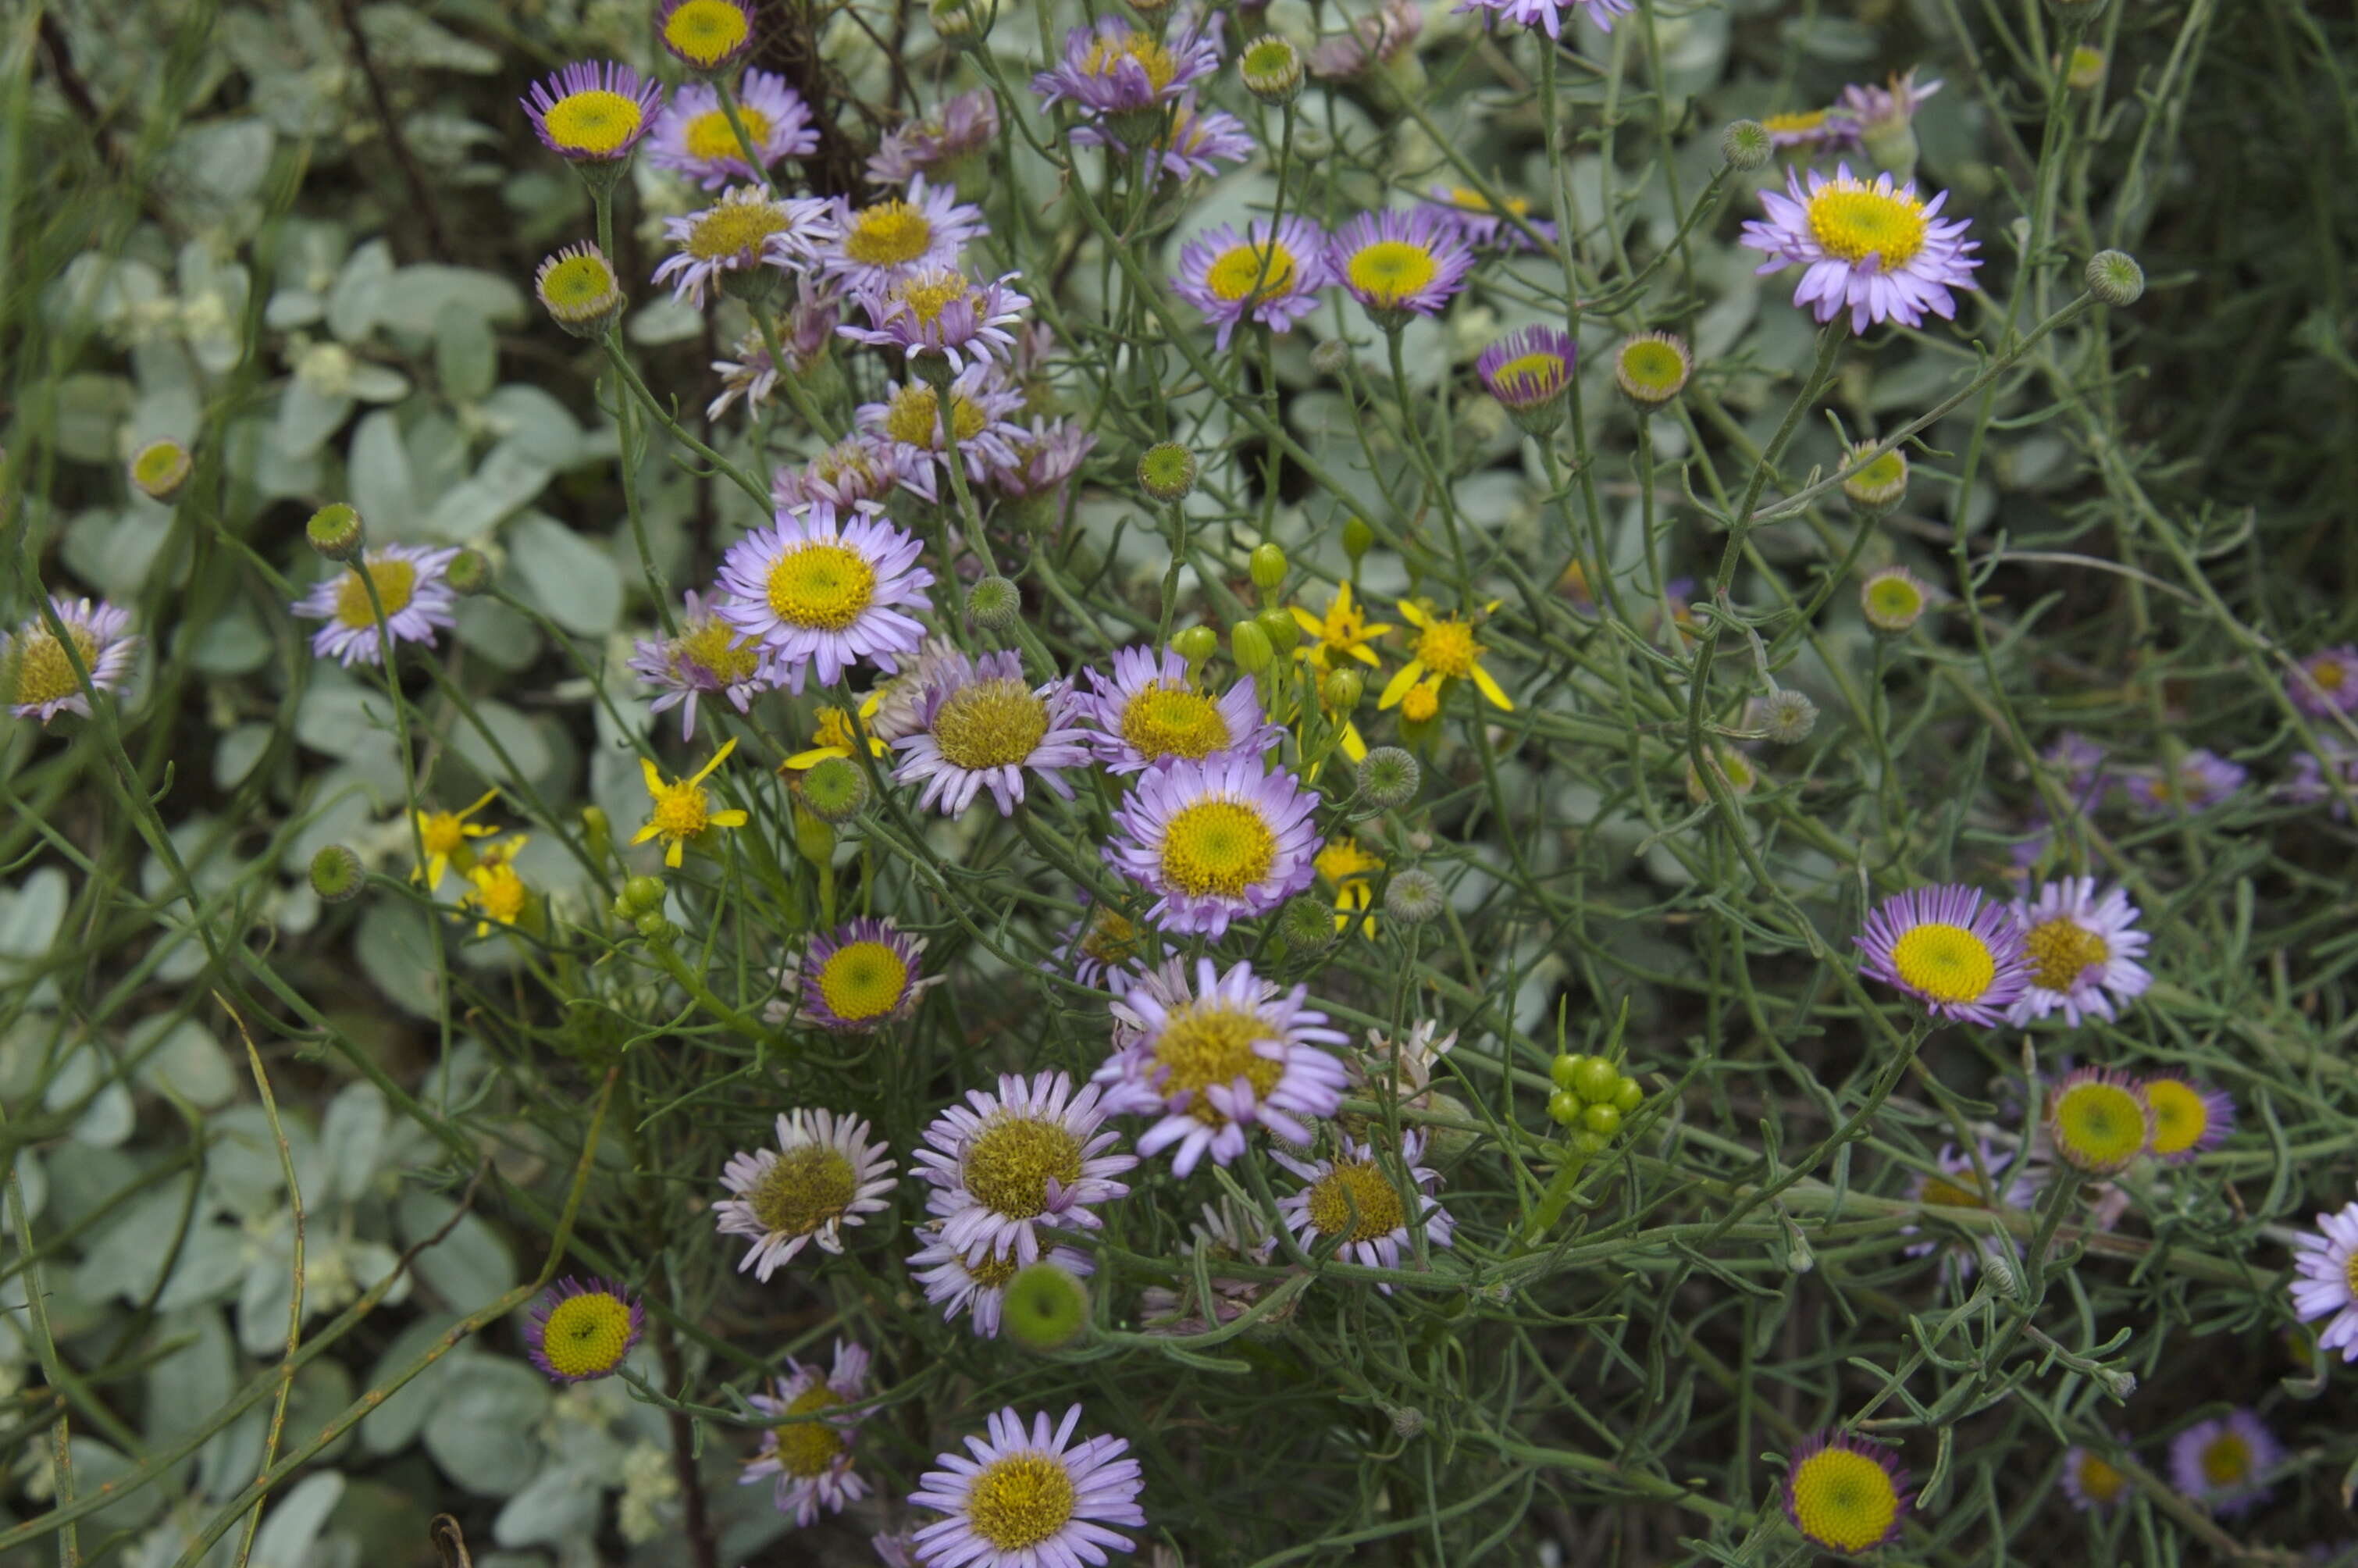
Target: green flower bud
[(994, 603), (1746, 146), (1357, 538), (835, 790), (1628, 1095), (643, 895), (1196, 645), (597, 833), (1167, 471), (1414, 897), (1341, 692), (1594, 1079), (1564, 1107), (1307, 923), (1269, 572), (578, 287), (1284, 631), (653, 928), (336, 874), (1878, 489), (1893, 600), (335, 531), (1271, 69), (1566, 1069), (814, 837), (1330, 356), (1045, 1308), (1601, 1120), (1388, 778), (469, 573), (1651, 369), (1589, 1143), (1250, 646), (159, 469), (2114, 277)]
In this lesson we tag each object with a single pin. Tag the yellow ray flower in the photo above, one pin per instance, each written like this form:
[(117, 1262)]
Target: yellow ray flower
[(445, 836), (1351, 872), (1342, 634), (832, 735), (683, 810), (497, 894), (1445, 648)]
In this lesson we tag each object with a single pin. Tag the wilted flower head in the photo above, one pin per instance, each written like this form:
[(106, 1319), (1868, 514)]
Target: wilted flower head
[(963, 126), (1187, 141), (1376, 39)]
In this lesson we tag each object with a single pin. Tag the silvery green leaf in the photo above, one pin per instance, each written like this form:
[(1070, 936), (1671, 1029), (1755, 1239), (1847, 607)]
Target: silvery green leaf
[(468, 1267), (241, 1168), (399, 35), (237, 752), (378, 384), (188, 1060), (571, 579), (294, 1523), (100, 290), (1831, 38), (501, 635), (443, 141), (466, 356), (394, 1425), (292, 307), (227, 1463), (186, 1387), (482, 1435), (232, 644), (306, 418), (128, 1253), (522, 755), (508, 479), (561, 1503), (113, 551), (396, 952), (417, 295), (358, 297), (218, 164), (540, 426), (661, 320), (341, 807), (98, 1468), (162, 368), (255, 459), (342, 718), (30, 914), (263, 1294), (82, 1180), (377, 476), (353, 1134), (91, 407), (212, 1262), (32, 1182)]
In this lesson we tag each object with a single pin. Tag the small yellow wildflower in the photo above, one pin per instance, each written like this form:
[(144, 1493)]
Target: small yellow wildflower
[(445, 836), (1351, 872), (681, 811), (833, 735), (1422, 701), (1444, 647), (1342, 634), (497, 894)]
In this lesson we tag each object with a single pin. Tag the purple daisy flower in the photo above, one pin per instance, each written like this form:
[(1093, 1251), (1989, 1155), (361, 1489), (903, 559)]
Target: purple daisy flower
[(411, 584), (1275, 279), (1003, 1164), (707, 655), (692, 136), (2201, 781), (1829, 129), (747, 228), (858, 468), (963, 126), (2220, 1463), (1216, 840), (860, 976), (2327, 1264), (592, 111), (983, 725), (2308, 786), (1548, 14), (1484, 226), (1046, 456), (2328, 682), (1878, 250), (1192, 141), (976, 1282), (809, 1451), (1212, 1061), (940, 310), (706, 35), (824, 1173), (1959, 1184), (40, 678), (1399, 264), (1033, 1499), (1845, 1494), (821, 593), (2082, 950), (982, 411), (2188, 1118), (1530, 372), (1879, 111), (875, 247), (1103, 946), (1352, 1203), (1113, 69), (1951, 948), (805, 333), (578, 1331), (1149, 711), (2092, 1482)]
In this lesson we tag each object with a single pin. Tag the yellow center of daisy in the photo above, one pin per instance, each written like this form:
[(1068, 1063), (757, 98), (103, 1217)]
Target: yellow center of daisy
[(1212, 1042), (706, 32), (990, 724), (597, 121), (2180, 1115), (820, 586), (1009, 1162), (1239, 271), (734, 228), (1944, 962), (1447, 647), (1799, 120), (992, 1273), (1020, 1501), (587, 1334), (1946, 1194), (1106, 54), (861, 981), (807, 1448), (2100, 1126), (2099, 1480), (891, 233), (928, 298), (44, 674), (1169, 719), (807, 1186), (1534, 375), (500, 894), (714, 645), (1895, 599), (1422, 701), (710, 139), (1354, 1186), (2329, 674), (2061, 952), (1392, 269), (2350, 1273), (1650, 363), (2226, 1459), (1853, 221), (914, 417), (577, 282), (1216, 846), (1843, 1501), (156, 463), (1885, 471), (395, 580), (1110, 938)]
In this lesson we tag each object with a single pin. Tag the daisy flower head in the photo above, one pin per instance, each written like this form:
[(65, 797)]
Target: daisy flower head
[(1548, 14), (975, 1282), (1216, 840), (706, 35), (1190, 140), (1875, 249), (2201, 780), (2326, 1265), (1960, 1182), (824, 1173), (693, 138), (900, 702), (592, 111), (963, 127), (1953, 949), (1399, 264), (1884, 117), (2098, 1120), (925, 228), (1271, 277), (412, 588), (1100, 948), (1379, 39), (1353, 1203), (858, 468), (1341, 633), (821, 591), (2219, 1463), (579, 289), (682, 811), (1529, 374), (1149, 711), (579, 1331), (1047, 455), (939, 310), (982, 409), (1845, 1494), (1213, 1059), (2082, 950), (39, 675), (707, 657), (861, 975), (747, 230), (2188, 1118), (2327, 683), (1114, 72), (809, 1449), (1003, 1164), (985, 727), (2092, 1482), (1029, 1498), (1444, 647), (1506, 225)]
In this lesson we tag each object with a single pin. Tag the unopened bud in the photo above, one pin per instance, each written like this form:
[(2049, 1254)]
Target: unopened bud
[(1357, 538), (2114, 277), (643, 895), (1250, 646), (1330, 356), (994, 603), (469, 573), (1196, 645), (1284, 631), (335, 531), (1414, 897), (578, 287), (834, 790), (1787, 717), (1268, 571), (1167, 471), (1341, 692), (1892, 600), (1651, 369), (159, 469), (1271, 69), (1388, 778), (1307, 923), (336, 874), (1046, 1307), (1746, 144), (1876, 489)]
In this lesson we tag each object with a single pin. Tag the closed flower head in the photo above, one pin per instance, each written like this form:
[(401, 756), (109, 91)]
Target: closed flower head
[(2099, 1120), (579, 1331)]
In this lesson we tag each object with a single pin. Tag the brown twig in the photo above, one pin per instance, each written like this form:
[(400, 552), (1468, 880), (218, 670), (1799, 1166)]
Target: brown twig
[(702, 1551), (421, 194)]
